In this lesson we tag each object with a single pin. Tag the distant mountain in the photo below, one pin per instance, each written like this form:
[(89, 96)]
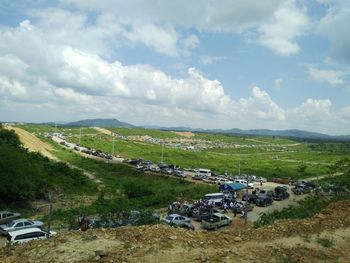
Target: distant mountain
[(100, 123)]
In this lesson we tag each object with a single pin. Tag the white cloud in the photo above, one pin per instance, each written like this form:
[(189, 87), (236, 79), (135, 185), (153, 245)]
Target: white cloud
[(190, 42), (161, 39), (335, 27), (288, 23), (207, 60), (261, 106), (277, 23), (278, 83), (61, 71), (332, 77)]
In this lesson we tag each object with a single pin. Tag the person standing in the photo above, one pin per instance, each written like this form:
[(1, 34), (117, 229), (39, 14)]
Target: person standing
[(234, 210)]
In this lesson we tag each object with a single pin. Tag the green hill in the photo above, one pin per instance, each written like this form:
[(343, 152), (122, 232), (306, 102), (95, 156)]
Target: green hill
[(26, 176)]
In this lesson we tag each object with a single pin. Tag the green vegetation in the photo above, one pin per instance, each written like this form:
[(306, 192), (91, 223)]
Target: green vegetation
[(127, 189), (325, 241), (27, 176)]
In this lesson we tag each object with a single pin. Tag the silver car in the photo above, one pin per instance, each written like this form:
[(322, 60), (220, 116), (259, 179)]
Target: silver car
[(20, 224), (177, 221)]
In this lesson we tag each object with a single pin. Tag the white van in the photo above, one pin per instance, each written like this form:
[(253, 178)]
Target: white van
[(241, 181), (27, 234), (216, 198), (204, 173)]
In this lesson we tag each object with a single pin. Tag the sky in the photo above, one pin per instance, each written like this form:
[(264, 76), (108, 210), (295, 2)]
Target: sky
[(269, 64)]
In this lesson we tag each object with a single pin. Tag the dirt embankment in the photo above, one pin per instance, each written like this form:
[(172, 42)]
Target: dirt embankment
[(184, 134), (322, 238), (32, 143), (103, 130)]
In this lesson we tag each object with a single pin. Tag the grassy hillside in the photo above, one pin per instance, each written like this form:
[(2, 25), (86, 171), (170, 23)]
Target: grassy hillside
[(26, 176)]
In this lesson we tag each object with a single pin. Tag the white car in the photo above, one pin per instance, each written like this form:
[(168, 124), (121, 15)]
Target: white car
[(26, 235), (20, 224)]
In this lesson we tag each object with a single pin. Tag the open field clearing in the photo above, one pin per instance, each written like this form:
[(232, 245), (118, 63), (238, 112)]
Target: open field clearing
[(262, 156)]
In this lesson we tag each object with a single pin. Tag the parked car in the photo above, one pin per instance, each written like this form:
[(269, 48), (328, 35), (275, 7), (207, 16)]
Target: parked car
[(197, 177), (7, 217), (179, 173), (177, 221), (299, 189), (244, 182), (154, 168), (184, 210), (250, 198), (281, 193), (215, 221), (239, 206), (260, 179), (202, 214), (168, 171), (264, 200), (27, 234), (20, 224)]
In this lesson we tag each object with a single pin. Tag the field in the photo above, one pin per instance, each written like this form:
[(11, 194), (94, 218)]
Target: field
[(267, 156)]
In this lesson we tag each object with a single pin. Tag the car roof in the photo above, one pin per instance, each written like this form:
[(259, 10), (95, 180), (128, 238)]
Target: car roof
[(25, 231), (173, 215), (20, 220), (214, 194), (218, 214)]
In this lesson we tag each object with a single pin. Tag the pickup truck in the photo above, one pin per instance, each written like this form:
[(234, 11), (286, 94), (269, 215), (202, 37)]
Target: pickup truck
[(215, 221)]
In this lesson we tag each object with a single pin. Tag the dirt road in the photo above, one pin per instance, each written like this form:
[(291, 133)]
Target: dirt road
[(32, 143)]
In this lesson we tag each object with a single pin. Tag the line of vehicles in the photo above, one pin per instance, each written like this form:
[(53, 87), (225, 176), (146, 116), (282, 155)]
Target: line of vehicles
[(20, 230), (87, 150)]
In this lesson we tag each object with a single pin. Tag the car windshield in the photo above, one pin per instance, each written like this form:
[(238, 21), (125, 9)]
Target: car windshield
[(169, 218), (10, 224)]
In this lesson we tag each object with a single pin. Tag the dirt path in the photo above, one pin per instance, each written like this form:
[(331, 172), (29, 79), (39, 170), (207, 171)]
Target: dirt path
[(32, 143)]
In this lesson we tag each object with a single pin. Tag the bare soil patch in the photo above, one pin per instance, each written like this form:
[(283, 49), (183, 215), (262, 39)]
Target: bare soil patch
[(185, 134), (103, 130), (33, 143)]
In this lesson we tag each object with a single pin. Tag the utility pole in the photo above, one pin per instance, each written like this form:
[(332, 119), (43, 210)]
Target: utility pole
[(49, 217), (247, 195), (79, 136), (161, 158), (113, 146)]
